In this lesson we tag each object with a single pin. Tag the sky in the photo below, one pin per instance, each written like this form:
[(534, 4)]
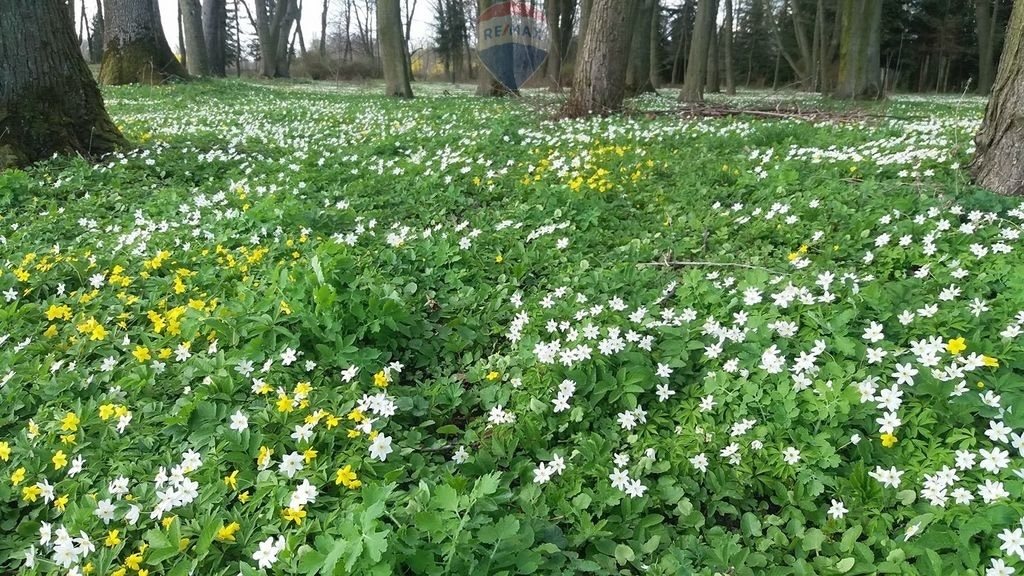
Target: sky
[(422, 26)]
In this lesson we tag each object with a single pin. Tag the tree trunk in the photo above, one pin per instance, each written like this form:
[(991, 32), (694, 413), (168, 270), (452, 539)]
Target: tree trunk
[(49, 101), (96, 46), (727, 31), (585, 9), (985, 20), (273, 28), (697, 62), (323, 30), (553, 63), (392, 49), (134, 47), (712, 83), (195, 42), (215, 31), (999, 160), (638, 71), (860, 69), (598, 86)]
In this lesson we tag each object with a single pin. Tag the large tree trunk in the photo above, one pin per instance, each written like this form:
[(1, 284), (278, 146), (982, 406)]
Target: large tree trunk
[(860, 66), (215, 31), (712, 83), (999, 160), (697, 61), (598, 86), (392, 49), (49, 101), (638, 72), (727, 32), (134, 47), (195, 42)]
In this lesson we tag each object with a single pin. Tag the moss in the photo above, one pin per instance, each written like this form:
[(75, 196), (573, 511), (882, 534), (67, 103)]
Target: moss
[(138, 62)]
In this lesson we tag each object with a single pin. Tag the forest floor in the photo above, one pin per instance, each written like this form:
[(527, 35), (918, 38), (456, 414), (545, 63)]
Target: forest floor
[(305, 329)]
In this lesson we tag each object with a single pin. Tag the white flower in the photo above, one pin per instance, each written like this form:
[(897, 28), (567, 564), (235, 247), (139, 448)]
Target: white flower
[(890, 477), (791, 455), (291, 464), (837, 510), (239, 421), (381, 447), (1013, 542), (999, 568), (460, 455), (635, 489), (992, 491), (700, 462), (268, 551), (994, 460), (911, 531), (288, 356), (619, 479), (873, 333), (105, 510), (542, 473)]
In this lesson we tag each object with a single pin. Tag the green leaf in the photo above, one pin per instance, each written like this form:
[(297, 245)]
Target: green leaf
[(845, 565), (624, 554)]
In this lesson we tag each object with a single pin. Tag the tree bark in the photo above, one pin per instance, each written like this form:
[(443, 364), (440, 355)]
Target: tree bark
[(697, 61), (49, 101), (215, 32), (998, 162), (985, 21), (638, 72), (195, 42), (273, 28), (598, 85), (860, 68), (712, 83), (727, 31), (323, 30), (392, 49), (134, 46)]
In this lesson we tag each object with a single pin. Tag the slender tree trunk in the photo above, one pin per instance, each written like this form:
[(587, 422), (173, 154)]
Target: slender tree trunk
[(96, 46), (392, 50), (860, 69), (181, 39), (195, 42), (985, 21), (712, 83), (654, 47), (134, 47), (553, 63), (638, 71), (727, 31), (598, 86), (49, 102), (323, 30), (999, 158), (679, 62), (697, 62), (215, 31)]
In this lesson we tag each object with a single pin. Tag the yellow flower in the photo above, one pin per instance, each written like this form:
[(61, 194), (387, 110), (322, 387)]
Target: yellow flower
[(106, 411), (112, 539), (309, 455), (70, 422), (285, 307), (231, 480), (356, 415), (332, 421), (244, 497), (227, 533), (63, 312), (132, 562), (499, 259), (380, 379), (141, 353), (51, 331), (264, 456), (493, 375), (98, 332), (30, 493), (5, 451), (956, 346), (122, 571), (352, 433), (303, 389), (33, 429), (294, 515), (143, 572), (59, 460), (989, 361), (67, 438), (18, 477), (88, 569), (284, 403), (345, 476), (166, 521), (888, 440), (183, 544), (61, 503)]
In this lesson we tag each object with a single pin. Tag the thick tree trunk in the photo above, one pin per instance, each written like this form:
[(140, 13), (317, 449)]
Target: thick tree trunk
[(727, 32), (860, 67), (712, 83), (134, 47), (195, 42), (553, 63), (638, 72), (215, 31), (49, 102), (697, 62), (598, 86), (392, 49), (273, 28), (999, 160)]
